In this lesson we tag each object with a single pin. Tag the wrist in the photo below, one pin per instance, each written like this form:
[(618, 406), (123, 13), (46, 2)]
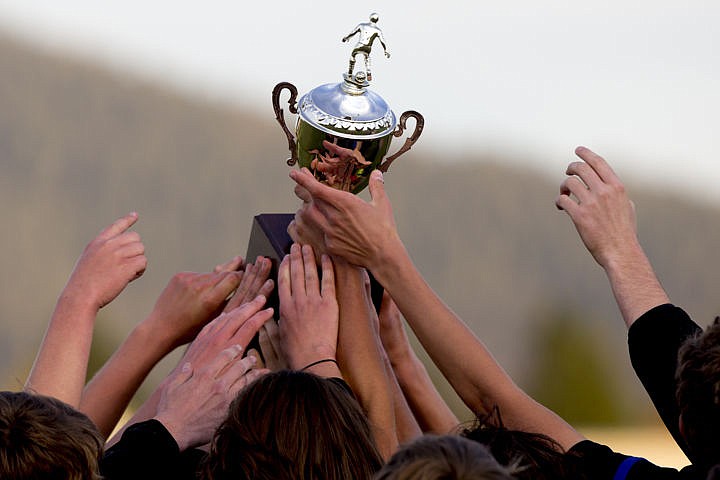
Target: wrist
[(303, 359), (389, 261), (175, 430), (326, 367), (81, 306), (154, 341)]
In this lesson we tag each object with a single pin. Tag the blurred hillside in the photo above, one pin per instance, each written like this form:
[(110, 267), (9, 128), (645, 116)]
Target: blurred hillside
[(80, 146)]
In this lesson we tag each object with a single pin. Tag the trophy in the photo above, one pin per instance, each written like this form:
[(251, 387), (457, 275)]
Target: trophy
[(344, 129), (343, 132)]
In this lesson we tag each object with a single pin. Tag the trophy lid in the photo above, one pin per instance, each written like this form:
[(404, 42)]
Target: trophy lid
[(347, 109)]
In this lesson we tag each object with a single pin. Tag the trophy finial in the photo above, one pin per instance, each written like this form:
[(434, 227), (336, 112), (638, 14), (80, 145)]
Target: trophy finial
[(367, 32)]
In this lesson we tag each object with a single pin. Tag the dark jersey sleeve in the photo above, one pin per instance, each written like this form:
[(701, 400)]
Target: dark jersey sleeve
[(654, 340), (593, 461), (146, 450)]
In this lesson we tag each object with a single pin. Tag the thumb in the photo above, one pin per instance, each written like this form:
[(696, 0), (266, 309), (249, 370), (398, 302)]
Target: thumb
[(377, 188)]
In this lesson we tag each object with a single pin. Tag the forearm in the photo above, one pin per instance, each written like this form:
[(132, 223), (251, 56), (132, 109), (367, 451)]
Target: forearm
[(429, 409), (360, 356), (60, 367), (634, 284), (108, 394), (406, 424), (462, 358)]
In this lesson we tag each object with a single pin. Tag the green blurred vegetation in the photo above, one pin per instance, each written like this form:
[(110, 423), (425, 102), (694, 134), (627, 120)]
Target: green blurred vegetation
[(572, 375)]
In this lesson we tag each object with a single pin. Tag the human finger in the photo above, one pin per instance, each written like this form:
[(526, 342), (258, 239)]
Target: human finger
[(262, 270), (259, 363), (225, 285), (182, 376), (231, 265), (131, 250), (292, 230), (328, 277), (302, 193), (307, 180), (297, 271), (223, 360), (250, 327), (598, 163), (136, 266), (376, 185), (570, 206), (585, 173), (119, 226), (232, 320), (312, 284), (125, 238), (284, 283), (573, 185)]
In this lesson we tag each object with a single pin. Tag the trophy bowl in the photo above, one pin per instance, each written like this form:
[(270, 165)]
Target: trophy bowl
[(344, 130)]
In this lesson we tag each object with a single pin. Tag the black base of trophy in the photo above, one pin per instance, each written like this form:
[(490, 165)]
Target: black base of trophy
[(269, 238)]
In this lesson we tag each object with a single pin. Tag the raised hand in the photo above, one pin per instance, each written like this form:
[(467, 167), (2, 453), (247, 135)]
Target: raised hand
[(597, 203), (364, 233), (196, 398), (109, 262), (308, 308), (189, 301)]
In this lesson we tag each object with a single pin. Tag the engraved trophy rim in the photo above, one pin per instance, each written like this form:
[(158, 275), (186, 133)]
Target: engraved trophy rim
[(331, 109)]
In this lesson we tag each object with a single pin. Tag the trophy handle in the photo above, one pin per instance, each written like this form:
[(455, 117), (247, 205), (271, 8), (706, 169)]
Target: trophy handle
[(280, 117), (410, 141)]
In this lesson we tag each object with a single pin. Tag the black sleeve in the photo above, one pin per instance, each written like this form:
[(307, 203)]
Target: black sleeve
[(654, 340), (146, 450), (592, 461)]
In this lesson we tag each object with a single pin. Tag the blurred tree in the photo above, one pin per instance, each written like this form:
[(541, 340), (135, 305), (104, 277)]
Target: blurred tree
[(572, 374)]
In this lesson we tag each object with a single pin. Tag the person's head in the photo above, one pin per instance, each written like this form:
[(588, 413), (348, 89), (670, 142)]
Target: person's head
[(374, 17), (536, 456), (698, 394), (44, 438), (293, 425), (447, 457)]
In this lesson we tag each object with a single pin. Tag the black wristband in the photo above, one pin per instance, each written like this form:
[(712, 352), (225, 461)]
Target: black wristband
[(319, 362)]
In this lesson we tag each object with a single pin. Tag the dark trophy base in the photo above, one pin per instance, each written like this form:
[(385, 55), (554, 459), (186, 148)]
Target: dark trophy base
[(269, 238)]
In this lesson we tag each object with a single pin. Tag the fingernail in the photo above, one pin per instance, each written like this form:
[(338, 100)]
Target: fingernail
[(186, 367)]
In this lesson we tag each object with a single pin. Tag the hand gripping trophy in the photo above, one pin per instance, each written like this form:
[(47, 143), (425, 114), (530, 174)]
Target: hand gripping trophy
[(343, 130)]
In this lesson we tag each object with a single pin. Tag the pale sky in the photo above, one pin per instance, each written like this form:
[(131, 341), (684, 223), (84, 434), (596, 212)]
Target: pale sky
[(635, 80)]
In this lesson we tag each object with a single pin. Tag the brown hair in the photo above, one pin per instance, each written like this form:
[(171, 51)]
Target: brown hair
[(44, 438), (293, 425), (535, 456), (698, 394), (448, 457)]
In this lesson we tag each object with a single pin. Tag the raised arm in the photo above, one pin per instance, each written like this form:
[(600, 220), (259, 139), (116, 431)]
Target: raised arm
[(364, 233), (428, 407), (109, 262), (188, 302), (595, 200), (361, 355)]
